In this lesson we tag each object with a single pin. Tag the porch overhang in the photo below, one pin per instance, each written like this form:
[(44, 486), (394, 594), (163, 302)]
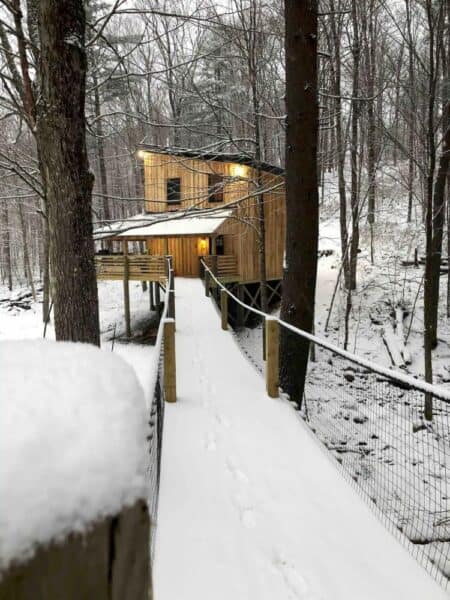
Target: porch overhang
[(166, 225)]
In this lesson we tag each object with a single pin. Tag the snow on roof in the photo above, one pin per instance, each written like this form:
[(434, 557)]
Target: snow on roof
[(166, 225), (214, 156), (73, 444)]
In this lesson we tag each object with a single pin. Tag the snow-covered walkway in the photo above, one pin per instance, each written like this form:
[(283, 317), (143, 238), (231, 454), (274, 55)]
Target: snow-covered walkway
[(251, 506)]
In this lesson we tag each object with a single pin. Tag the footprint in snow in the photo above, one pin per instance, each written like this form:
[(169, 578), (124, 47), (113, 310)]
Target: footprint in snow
[(223, 421), (210, 443), (248, 518), (294, 580), (236, 472)]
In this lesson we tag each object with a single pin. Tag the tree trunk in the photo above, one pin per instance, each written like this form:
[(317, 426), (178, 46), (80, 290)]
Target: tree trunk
[(354, 243), (7, 244), (340, 146), (62, 149), (371, 124), (26, 254), (302, 198)]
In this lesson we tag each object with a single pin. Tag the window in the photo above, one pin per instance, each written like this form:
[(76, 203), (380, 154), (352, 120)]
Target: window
[(174, 191), (215, 188)]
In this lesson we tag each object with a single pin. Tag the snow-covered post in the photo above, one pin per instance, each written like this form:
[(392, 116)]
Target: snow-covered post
[(77, 524), (272, 356), (126, 289), (224, 309), (170, 370)]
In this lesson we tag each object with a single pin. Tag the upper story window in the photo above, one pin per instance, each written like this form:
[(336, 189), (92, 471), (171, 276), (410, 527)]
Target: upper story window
[(215, 187), (174, 191)]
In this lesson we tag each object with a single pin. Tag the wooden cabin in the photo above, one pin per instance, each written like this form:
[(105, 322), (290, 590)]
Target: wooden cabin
[(205, 205)]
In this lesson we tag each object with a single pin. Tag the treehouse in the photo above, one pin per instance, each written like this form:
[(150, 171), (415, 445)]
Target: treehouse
[(222, 208)]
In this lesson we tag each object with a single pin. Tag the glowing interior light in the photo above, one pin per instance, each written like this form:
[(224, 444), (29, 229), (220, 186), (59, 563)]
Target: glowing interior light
[(239, 170), (202, 246), (141, 154)]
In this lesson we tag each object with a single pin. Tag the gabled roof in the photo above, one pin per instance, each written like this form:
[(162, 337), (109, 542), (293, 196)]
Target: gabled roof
[(168, 224), (240, 159)]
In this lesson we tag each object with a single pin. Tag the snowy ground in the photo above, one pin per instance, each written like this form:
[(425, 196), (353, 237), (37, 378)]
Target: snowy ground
[(251, 505)]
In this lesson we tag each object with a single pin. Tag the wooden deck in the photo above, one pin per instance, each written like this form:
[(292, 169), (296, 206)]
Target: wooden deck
[(224, 267), (134, 267)]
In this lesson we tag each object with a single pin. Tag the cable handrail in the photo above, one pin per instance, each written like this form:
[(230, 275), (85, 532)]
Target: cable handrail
[(405, 380)]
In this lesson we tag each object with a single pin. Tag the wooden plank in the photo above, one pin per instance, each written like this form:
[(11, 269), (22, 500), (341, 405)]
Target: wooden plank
[(224, 309), (272, 356), (170, 370)]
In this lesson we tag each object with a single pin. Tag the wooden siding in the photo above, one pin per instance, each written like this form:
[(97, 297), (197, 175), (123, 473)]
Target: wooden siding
[(241, 238), (184, 250), (194, 181), (240, 231)]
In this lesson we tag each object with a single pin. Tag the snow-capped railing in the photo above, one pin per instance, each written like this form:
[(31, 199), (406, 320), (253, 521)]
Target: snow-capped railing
[(372, 419)]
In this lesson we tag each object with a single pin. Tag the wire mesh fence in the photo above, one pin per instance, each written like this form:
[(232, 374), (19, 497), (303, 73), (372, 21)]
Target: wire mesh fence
[(372, 420), (156, 418), (375, 428), (155, 444)]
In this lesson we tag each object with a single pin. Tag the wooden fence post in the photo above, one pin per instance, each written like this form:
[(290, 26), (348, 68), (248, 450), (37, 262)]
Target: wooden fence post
[(240, 313), (207, 283), (126, 289), (272, 356), (170, 369), (171, 295), (151, 286), (224, 309), (157, 296)]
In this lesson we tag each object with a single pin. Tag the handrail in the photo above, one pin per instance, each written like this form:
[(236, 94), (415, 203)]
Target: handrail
[(407, 380)]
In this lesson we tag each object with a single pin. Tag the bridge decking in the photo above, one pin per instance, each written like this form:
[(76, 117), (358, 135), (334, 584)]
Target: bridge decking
[(251, 506)]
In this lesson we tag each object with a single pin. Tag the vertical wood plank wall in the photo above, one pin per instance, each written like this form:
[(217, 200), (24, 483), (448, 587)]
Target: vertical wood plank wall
[(240, 235)]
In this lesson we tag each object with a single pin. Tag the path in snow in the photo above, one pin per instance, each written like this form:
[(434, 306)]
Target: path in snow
[(251, 506)]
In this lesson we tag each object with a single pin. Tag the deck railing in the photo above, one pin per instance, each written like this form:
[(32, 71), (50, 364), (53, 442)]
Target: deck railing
[(140, 267), (223, 266)]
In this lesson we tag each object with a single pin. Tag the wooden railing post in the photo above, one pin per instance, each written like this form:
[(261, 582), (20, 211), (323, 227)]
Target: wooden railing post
[(170, 369), (214, 265), (224, 309), (207, 282), (126, 289), (272, 356), (171, 295)]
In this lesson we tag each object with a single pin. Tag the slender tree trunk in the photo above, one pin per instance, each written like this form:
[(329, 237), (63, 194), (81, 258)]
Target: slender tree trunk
[(371, 124), (45, 270), (62, 148), (26, 254), (340, 145), (101, 153), (354, 244), (7, 244), (412, 113), (302, 198)]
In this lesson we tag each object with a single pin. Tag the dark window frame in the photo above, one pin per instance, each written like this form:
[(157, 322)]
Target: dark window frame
[(215, 188), (173, 194)]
